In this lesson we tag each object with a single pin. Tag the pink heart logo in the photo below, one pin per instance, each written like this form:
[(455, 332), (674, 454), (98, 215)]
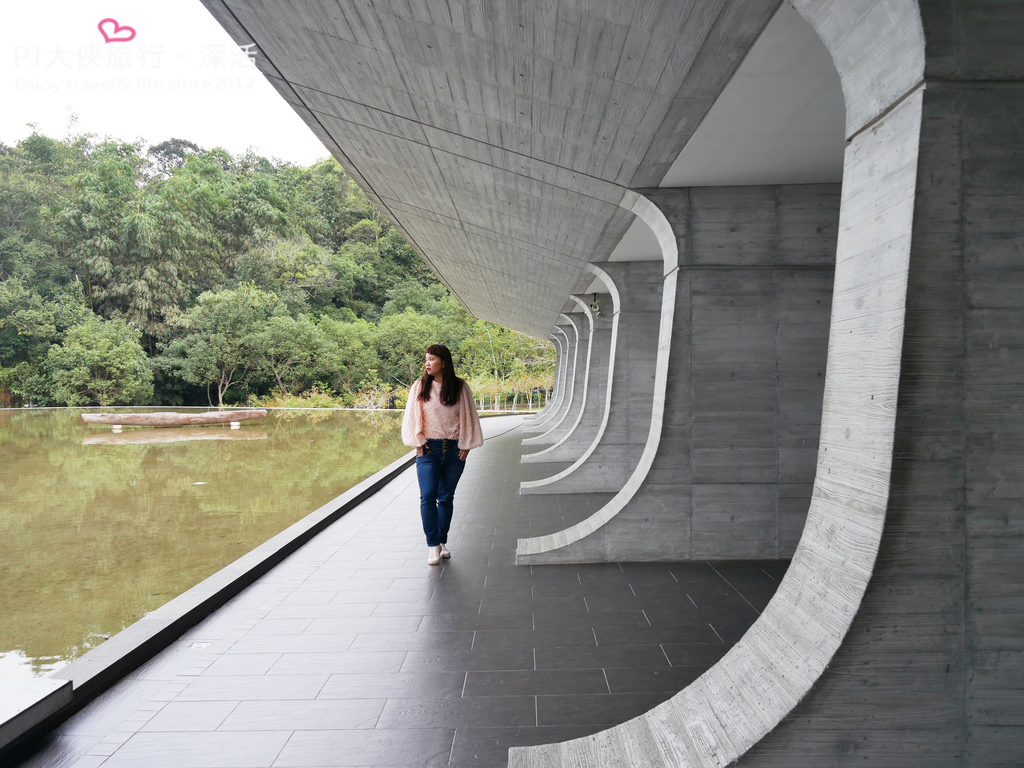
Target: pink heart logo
[(116, 33)]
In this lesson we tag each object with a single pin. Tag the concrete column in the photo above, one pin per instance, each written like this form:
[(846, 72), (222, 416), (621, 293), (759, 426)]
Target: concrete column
[(588, 421), (614, 458), (931, 671), (733, 468), (584, 326)]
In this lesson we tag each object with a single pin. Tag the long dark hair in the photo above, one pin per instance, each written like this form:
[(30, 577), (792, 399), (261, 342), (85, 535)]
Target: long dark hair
[(451, 385)]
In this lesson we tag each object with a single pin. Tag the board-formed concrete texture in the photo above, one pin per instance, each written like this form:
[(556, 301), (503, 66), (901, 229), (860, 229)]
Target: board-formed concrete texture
[(733, 470), (512, 142)]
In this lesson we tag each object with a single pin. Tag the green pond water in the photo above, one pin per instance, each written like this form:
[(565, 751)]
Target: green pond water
[(97, 529)]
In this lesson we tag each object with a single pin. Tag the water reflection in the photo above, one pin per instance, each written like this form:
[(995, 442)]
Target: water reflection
[(144, 436), (94, 536)]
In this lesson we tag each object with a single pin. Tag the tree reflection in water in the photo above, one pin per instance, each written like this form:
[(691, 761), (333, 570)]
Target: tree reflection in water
[(94, 536)]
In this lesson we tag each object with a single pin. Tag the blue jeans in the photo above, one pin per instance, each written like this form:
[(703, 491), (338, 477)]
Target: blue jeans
[(438, 471)]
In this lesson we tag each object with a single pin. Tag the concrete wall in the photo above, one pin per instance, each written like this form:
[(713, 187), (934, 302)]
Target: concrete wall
[(937, 642), (895, 637), (750, 361), (734, 468)]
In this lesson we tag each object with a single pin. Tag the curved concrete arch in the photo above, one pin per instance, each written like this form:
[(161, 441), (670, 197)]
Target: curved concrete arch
[(662, 229), (530, 457), (878, 49), (589, 451), (551, 408), (562, 386), (561, 432), (542, 414), (545, 413), (572, 366), (612, 290)]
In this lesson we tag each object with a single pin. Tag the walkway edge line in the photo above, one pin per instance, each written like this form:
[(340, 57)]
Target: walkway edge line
[(105, 665)]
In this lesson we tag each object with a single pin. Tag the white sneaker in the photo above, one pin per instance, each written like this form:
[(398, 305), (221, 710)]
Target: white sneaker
[(445, 553), (434, 557)]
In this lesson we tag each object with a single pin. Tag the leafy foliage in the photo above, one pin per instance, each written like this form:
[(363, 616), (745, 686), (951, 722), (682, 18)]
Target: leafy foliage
[(100, 363), (170, 274)]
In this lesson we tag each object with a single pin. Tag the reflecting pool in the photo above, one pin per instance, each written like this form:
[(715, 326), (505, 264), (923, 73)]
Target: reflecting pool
[(97, 528)]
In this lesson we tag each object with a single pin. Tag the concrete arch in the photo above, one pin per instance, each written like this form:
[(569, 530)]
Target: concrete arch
[(613, 291), (656, 220), (578, 415), (878, 49), (543, 413), (570, 397), (559, 339)]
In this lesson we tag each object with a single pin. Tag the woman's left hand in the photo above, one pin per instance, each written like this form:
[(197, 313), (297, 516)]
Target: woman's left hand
[(463, 453)]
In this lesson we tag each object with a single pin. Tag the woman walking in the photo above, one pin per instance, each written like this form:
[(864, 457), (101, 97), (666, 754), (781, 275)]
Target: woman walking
[(441, 422)]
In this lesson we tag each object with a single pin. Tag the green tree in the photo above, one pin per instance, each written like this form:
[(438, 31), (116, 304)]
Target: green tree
[(171, 154), (29, 324), (412, 294), (493, 351), (350, 354), (101, 363), (399, 261), (296, 269), (169, 241), (219, 342), (402, 339), (289, 348), (134, 245)]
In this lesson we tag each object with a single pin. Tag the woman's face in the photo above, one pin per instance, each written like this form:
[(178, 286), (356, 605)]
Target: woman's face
[(433, 365)]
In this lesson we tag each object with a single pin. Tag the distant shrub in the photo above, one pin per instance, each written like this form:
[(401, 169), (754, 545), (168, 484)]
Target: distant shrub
[(311, 398)]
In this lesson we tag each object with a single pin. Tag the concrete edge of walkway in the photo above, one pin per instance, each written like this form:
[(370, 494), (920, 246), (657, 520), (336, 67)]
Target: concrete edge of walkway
[(105, 665)]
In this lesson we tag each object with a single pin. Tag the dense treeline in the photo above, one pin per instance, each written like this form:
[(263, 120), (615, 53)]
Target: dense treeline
[(182, 276)]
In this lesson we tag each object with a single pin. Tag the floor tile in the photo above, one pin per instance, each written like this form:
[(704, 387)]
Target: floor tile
[(242, 664), (354, 652), (459, 713), (333, 663), (534, 638), (303, 643), (411, 641), (599, 709), (252, 688), (602, 656), (197, 749), (419, 685), (190, 716), (398, 748), (533, 682), (306, 715)]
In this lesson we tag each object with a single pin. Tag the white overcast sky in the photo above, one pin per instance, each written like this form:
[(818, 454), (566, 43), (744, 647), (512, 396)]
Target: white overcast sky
[(181, 76)]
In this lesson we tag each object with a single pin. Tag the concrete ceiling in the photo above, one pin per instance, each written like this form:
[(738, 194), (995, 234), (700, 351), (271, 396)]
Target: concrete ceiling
[(500, 135), (780, 120)]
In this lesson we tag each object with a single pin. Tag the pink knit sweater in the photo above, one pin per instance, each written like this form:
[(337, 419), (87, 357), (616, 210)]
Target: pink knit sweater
[(431, 420)]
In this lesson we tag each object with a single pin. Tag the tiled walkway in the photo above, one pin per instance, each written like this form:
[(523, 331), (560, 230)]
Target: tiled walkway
[(354, 652)]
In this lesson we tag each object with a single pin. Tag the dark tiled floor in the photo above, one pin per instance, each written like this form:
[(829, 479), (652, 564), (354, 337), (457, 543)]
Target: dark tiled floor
[(356, 653)]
